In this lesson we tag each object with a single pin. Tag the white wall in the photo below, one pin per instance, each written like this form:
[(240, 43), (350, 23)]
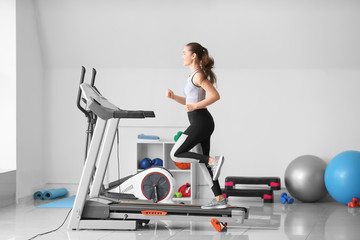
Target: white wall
[(30, 109), (8, 85), (288, 76), (240, 34)]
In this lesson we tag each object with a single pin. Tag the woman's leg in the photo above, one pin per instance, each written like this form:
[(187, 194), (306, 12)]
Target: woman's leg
[(188, 140), (219, 202), (205, 145)]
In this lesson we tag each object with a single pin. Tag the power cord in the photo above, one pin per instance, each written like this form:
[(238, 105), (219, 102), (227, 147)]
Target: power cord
[(41, 234), (118, 170)]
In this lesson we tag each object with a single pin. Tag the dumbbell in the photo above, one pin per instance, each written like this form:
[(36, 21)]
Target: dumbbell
[(284, 198), (354, 203), (178, 194), (176, 137)]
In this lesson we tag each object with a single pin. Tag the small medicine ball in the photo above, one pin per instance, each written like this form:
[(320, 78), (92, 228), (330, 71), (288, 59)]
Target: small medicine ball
[(157, 162), (145, 163), (182, 165)]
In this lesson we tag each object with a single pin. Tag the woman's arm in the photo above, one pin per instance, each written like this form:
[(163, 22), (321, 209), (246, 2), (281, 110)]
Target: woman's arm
[(170, 94)]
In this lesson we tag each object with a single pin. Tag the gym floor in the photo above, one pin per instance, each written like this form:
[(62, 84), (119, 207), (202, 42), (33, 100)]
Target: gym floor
[(323, 220)]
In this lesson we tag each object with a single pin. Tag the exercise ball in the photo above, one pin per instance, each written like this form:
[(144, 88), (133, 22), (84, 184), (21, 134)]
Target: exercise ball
[(304, 178), (342, 176)]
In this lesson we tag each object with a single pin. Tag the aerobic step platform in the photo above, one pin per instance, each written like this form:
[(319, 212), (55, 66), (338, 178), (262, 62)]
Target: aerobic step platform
[(269, 184)]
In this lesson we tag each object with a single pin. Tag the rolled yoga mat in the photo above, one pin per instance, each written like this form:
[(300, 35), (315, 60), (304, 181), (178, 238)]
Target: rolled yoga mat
[(55, 193), (39, 195)]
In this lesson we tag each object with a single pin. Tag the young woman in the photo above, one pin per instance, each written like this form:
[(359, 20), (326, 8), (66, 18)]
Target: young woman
[(200, 82)]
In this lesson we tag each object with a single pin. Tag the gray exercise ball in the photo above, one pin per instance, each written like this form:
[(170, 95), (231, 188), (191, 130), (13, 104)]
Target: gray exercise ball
[(304, 178)]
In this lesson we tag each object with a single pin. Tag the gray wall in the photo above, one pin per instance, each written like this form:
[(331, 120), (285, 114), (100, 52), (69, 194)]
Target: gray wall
[(288, 76), (30, 108)]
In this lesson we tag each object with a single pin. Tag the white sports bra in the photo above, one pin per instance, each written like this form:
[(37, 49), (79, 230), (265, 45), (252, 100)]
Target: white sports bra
[(192, 92)]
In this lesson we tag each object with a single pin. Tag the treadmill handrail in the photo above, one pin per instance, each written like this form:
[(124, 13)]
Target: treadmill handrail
[(101, 107), (83, 70), (107, 113), (133, 114)]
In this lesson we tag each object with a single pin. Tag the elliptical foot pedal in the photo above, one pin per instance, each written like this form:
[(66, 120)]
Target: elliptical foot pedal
[(219, 226)]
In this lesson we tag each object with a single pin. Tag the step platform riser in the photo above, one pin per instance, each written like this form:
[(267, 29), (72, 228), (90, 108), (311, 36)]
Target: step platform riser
[(270, 184)]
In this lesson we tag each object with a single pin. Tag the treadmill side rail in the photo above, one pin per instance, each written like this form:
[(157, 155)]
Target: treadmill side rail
[(137, 216)]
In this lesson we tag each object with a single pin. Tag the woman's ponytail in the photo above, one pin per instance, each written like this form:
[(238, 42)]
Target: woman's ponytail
[(207, 64)]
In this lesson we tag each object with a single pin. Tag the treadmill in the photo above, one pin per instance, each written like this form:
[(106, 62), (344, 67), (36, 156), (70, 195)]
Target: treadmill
[(92, 210)]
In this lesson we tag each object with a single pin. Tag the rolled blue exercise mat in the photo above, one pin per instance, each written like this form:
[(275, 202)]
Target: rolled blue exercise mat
[(55, 193), (39, 195), (151, 137)]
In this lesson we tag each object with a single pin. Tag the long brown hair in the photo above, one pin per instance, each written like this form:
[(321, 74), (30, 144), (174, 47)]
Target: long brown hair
[(206, 61)]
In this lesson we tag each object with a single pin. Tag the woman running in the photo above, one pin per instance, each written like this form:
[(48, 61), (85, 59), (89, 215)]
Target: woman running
[(199, 84)]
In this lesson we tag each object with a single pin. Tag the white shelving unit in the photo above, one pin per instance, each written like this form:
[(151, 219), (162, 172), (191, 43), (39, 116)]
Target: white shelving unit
[(162, 149)]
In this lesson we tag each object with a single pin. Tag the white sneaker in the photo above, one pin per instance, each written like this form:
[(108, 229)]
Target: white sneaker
[(214, 204), (216, 167)]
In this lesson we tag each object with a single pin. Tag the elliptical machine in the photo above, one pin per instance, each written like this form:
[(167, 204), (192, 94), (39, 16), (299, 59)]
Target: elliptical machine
[(156, 183)]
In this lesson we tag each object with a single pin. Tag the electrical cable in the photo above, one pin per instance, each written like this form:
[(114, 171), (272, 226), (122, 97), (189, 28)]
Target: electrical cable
[(41, 234)]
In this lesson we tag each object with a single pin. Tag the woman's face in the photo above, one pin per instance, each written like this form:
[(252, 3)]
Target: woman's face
[(188, 57)]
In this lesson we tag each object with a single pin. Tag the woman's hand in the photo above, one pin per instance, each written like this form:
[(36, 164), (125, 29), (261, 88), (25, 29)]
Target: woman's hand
[(191, 106), (170, 94)]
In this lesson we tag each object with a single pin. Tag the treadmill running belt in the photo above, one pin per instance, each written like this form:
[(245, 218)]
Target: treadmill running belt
[(175, 209)]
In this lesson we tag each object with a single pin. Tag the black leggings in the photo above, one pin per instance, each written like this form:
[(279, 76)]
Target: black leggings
[(199, 132)]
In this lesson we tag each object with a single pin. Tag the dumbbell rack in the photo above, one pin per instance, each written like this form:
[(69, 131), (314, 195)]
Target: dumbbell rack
[(233, 187)]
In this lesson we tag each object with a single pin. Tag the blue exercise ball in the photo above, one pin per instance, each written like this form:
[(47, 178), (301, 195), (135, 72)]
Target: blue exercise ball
[(342, 176)]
